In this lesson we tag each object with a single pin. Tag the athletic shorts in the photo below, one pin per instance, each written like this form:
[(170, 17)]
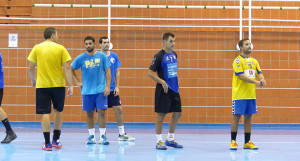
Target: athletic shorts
[(244, 107), (94, 101), (166, 102), (1, 95), (44, 96), (113, 100)]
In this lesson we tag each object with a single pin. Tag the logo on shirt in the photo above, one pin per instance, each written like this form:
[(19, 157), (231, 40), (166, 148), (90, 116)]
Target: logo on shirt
[(153, 61), (172, 70), (92, 63), (112, 60), (172, 58)]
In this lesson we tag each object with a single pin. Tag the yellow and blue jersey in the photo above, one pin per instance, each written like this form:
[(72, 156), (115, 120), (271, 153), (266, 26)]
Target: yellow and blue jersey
[(249, 67)]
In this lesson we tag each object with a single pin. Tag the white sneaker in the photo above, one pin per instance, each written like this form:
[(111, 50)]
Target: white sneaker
[(125, 137)]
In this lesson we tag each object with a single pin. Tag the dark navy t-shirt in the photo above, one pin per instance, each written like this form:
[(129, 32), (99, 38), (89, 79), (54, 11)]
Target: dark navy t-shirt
[(165, 64)]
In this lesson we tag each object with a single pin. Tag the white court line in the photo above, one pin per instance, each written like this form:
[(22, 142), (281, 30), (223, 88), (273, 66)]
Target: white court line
[(82, 49), (153, 87)]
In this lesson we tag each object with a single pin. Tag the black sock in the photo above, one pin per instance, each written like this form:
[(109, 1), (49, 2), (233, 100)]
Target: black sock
[(233, 136), (47, 137), (6, 124), (247, 137), (56, 134)]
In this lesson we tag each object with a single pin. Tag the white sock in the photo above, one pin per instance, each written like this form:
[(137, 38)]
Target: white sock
[(171, 136), (92, 131), (159, 137), (102, 131), (121, 130)]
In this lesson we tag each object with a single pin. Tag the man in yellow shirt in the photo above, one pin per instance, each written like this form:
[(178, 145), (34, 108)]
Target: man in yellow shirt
[(50, 57), (246, 70)]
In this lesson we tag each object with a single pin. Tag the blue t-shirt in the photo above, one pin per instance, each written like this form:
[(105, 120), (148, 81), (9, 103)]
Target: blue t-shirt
[(1, 72), (115, 64), (92, 72), (165, 64)]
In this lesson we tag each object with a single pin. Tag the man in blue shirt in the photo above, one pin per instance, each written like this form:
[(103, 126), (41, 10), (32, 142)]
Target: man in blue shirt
[(95, 85), (167, 98), (10, 134), (113, 98)]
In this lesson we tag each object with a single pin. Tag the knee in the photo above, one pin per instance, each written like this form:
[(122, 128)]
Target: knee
[(177, 115), (118, 110), (90, 114), (101, 113)]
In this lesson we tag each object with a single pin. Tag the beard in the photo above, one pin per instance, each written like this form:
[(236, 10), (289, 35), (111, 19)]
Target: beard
[(247, 51), (89, 49)]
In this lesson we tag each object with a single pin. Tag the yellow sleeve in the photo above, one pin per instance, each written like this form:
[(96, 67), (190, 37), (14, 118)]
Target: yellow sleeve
[(32, 55), (237, 67), (258, 70), (65, 55)]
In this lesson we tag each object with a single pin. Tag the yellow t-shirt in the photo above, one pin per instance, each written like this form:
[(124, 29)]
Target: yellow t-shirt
[(49, 57), (249, 67)]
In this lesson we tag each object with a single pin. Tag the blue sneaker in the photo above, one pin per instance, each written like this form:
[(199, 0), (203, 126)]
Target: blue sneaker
[(56, 144), (103, 140), (161, 146), (47, 147), (173, 143), (91, 140)]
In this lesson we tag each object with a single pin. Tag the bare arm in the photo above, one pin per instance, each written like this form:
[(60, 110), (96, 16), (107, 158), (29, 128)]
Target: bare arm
[(75, 78), (32, 73), (261, 78), (108, 80), (68, 73), (116, 92), (244, 78), (154, 77)]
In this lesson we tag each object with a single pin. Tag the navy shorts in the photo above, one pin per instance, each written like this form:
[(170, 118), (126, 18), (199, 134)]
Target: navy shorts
[(113, 100), (44, 96), (244, 107), (94, 101), (166, 102)]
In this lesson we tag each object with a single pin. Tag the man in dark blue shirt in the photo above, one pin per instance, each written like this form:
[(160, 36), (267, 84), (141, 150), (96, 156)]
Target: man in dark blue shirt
[(167, 98), (10, 134)]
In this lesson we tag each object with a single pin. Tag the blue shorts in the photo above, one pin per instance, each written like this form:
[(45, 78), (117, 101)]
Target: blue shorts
[(94, 101), (244, 107)]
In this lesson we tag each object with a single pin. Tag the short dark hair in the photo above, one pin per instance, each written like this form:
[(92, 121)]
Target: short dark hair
[(89, 38), (167, 35), (241, 42), (48, 32), (101, 39)]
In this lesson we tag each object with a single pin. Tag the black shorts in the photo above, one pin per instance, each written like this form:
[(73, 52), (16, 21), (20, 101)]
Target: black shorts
[(113, 100), (166, 102), (1, 95), (44, 96)]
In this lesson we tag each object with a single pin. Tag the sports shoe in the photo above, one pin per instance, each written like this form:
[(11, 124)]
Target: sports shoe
[(233, 145), (125, 137), (161, 146), (103, 140), (91, 140), (10, 136), (47, 147), (173, 143), (56, 144), (250, 145)]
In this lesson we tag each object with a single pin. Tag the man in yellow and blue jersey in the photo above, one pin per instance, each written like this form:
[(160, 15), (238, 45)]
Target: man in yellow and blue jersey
[(246, 76)]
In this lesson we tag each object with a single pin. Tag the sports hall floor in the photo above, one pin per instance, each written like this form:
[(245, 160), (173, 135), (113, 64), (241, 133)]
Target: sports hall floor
[(202, 142)]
